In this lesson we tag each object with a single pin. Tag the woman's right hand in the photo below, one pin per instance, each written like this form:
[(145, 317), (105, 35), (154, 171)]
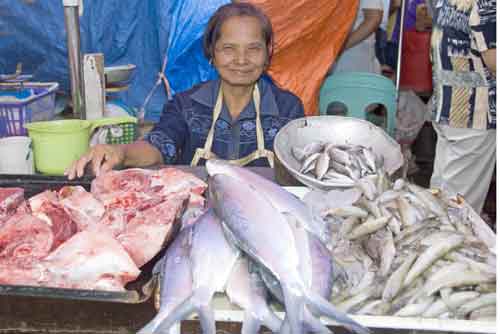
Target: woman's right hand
[(102, 158)]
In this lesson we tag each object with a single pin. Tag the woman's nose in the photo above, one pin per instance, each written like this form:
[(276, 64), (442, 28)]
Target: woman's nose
[(241, 57)]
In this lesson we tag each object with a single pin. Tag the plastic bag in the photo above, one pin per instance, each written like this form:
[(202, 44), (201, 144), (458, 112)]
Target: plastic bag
[(411, 115)]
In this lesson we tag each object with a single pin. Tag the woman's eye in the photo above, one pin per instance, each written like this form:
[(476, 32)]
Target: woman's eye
[(255, 48)]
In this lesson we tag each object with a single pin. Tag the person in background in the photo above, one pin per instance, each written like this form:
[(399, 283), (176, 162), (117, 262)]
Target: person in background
[(464, 101), (235, 117), (358, 54), (416, 18)]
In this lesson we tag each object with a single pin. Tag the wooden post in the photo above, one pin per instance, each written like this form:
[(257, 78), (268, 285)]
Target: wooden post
[(94, 85)]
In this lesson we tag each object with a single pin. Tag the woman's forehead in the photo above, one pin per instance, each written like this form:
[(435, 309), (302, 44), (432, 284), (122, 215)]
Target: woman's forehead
[(243, 29)]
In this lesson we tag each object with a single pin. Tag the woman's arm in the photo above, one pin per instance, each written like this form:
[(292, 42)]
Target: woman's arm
[(372, 20), (140, 154)]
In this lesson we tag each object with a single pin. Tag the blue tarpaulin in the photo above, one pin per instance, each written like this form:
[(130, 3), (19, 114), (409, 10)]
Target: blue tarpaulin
[(140, 32)]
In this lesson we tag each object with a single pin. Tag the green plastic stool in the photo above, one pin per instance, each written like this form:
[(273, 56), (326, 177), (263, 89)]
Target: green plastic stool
[(358, 90)]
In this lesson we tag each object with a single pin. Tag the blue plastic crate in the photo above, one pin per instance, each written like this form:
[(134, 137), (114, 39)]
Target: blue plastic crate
[(20, 104)]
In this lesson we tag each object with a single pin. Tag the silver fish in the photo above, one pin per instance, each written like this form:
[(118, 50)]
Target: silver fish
[(298, 153), (210, 272), (340, 156), (314, 147), (247, 290), (309, 163), (245, 214), (281, 199), (175, 279), (322, 165)]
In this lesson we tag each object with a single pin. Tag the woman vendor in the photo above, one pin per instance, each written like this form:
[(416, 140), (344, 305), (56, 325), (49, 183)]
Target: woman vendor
[(235, 117)]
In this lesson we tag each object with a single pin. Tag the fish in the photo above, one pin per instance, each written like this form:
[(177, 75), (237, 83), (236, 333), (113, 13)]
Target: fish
[(313, 147), (369, 226), (415, 309), (395, 281), (430, 255), (375, 307), (210, 272), (322, 165), (281, 199), (484, 300), (246, 214), (246, 289), (346, 211), (175, 279)]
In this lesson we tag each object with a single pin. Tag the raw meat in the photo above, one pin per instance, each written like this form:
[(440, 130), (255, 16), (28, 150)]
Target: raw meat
[(25, 237), (91, 259), (170, 180), (10, 199), (46, 207), (82, 206), (105, 186), (150, 229)]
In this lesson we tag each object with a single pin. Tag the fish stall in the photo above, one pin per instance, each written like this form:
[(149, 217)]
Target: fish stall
[(364, 250), (356, 247)]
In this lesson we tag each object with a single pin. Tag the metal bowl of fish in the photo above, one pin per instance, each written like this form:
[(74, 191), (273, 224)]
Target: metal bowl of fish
[(328, 152)]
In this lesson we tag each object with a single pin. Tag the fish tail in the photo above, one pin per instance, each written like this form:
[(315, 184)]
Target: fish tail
[(322, 306), (152, 326), (207, 319), (251, 324), (179, 313), (314, 325), (294, 304), (271, 321)]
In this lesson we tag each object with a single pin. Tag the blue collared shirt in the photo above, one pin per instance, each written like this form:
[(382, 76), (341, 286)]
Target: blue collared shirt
[(186, 121)]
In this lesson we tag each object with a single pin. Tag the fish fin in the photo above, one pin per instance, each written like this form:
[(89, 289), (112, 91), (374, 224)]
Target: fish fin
[(322, 306), (314, 325), (271, 321), (294, 304), (251, 324), (152, 326), (207, 319), (190, 305)]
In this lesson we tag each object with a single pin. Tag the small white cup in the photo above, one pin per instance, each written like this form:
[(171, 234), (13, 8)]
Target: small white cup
[(16, 156)]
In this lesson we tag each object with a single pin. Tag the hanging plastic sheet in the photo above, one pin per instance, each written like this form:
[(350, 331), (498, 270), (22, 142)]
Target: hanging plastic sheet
[(141, 32), (308, 37)]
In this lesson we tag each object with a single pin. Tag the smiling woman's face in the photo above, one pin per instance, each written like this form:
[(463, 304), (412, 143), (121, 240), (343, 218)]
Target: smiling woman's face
[(240, 53)]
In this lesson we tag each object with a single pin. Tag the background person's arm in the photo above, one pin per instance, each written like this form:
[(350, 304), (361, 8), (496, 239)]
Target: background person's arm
[(372, 20), (482, 22), (490, 59)]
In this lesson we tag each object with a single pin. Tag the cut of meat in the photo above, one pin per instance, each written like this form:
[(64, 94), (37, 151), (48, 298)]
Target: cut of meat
[(46, 207), (169, 180), (129, 180), (91, 259), (10, 199), (25, 236), (31, 273), (36, 201), (82, 206), (150, 229), (115, 220)]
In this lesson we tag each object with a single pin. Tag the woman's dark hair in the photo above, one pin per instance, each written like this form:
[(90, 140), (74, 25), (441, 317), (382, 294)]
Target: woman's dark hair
[(212, 32)]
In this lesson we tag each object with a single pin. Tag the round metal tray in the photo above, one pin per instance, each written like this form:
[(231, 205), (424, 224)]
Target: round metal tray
[(337, 130)]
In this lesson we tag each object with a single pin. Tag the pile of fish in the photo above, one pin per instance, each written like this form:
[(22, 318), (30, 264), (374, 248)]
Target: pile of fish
[(337, 165), (257, 237), (407, 251)]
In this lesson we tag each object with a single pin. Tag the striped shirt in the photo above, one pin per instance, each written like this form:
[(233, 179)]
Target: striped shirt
[(464, 88)]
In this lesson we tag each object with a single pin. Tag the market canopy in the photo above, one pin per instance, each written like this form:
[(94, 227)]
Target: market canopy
[(309, 35)]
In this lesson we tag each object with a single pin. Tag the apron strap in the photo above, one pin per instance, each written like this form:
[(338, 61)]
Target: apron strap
[(206, 151), (207, 154)]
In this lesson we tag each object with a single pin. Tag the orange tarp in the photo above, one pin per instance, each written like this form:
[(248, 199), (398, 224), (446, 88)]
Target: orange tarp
[(308, 37)]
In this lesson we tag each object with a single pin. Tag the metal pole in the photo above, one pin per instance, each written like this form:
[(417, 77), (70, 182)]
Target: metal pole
[(74, 59), (400, 43)]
